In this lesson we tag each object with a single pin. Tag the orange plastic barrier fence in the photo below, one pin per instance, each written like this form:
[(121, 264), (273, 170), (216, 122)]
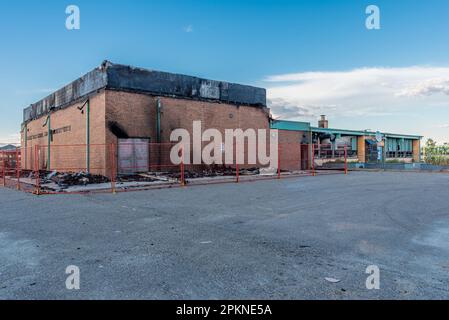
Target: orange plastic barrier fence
[(137, 165)]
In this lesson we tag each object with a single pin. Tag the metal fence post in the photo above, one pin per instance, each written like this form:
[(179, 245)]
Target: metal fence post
[(346, 159), (36, 169), (237, 172), (313, 159), (113, 168), (17, 168), (182, 178), (279, 161), (4, 172)]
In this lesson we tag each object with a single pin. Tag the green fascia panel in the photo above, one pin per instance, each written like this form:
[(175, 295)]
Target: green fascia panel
[(364, 133), (305, 126), (343, 132), (402, 136), (290, 125)]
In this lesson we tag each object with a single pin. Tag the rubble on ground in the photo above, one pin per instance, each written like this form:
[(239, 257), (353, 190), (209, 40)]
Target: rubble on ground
[(196, 173), (68, 179), (136, 178), (61, 181), (219, 172)]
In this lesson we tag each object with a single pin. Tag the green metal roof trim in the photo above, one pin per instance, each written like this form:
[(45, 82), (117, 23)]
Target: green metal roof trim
[(305, 126), (402, 136), (365, 133), (290, 125), (342, 131)]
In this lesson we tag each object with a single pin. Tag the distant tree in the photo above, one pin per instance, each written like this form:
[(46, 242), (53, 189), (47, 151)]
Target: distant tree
[(436, 154), (431, 143)]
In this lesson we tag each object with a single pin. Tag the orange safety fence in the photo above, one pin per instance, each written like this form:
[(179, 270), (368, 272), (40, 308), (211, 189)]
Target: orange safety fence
[(135, 165), (70, 168), (10, 169)]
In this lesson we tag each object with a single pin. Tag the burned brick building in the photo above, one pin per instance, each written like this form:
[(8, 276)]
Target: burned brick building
[(117, 104)]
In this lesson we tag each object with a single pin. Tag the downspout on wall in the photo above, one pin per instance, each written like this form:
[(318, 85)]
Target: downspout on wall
[(158, 121), (88, 136), (87, 105), (49, 134), (158, 127)]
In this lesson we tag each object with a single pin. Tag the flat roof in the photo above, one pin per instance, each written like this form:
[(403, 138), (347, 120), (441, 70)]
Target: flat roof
[(127, 78), (305, 126)]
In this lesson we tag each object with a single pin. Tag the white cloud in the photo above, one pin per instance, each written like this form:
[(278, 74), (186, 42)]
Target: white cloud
[(358, 92), (188, 28), (10, 139), (443, 126), (427, 88)]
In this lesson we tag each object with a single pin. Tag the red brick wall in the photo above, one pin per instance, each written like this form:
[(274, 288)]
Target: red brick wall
[(290, 147), (136, 114), (212, 115), (68, 152)]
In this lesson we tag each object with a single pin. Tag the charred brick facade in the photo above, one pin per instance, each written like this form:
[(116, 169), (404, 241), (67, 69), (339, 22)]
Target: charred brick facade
[(130, 112)]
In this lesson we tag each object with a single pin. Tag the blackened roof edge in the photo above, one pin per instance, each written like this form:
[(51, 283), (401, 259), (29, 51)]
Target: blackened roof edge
[(128, 78)]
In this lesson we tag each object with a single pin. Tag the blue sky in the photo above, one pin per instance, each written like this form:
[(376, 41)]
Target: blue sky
[(313, 56)]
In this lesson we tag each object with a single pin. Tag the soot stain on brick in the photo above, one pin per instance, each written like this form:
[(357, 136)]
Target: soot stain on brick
[(117, 130)]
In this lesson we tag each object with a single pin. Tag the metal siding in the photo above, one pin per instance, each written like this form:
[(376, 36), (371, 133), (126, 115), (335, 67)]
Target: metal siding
[(133, 156)]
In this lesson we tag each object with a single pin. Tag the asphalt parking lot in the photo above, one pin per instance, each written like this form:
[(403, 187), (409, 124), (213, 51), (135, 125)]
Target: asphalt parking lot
[(261, 240)]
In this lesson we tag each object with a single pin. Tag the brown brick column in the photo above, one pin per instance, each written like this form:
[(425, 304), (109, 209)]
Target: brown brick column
[(416, 150), (361, 148)]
